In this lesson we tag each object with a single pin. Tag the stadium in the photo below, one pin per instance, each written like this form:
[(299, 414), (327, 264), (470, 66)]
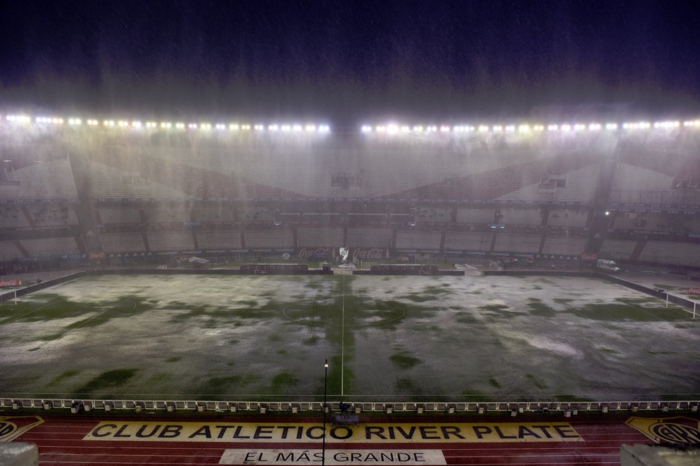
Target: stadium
[(217, 265)]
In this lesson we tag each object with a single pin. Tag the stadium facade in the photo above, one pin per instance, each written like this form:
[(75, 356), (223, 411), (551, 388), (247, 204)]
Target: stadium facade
[(120, 192)]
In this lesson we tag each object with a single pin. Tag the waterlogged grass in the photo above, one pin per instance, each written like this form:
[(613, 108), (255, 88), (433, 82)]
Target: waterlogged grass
[(226, 385), (404, 361), (625, 312), (539, 383), (538, 308), (65, 375), (107, 380)]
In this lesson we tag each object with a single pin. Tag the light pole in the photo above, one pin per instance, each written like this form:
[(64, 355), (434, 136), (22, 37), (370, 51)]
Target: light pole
[(325, 396)]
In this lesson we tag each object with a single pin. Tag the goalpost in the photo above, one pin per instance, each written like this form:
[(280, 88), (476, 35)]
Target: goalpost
[(682, 298)]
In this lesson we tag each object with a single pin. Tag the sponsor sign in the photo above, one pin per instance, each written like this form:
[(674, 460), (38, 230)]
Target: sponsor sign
[(693, 290), (314, 253), (11, 427), (96, 256), (589, 257), (10, 283), (680, 430), (226, 432), (367, 254), (333, 457)]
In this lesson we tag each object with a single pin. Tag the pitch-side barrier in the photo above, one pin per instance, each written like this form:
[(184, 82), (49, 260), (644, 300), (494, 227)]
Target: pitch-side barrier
[(292, 407)]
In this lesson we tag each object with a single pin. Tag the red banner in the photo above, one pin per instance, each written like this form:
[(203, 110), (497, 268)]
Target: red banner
[(693, 290), (97, 256), (10, 283)]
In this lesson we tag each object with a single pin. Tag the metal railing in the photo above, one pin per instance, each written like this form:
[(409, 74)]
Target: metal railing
[(135, 405)]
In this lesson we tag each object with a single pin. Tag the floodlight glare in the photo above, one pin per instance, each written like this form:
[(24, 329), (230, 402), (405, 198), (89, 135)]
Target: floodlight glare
[(233, 127), (295, 128), (483, 128), (310, 128), (405, 129), (510, 128), (497, 129), (220, 126), (324, 129), (444, 129), (381, 129), (524, 128), (392, 129), (611, 126), (179, 125), (552, 128), (286, 128), (366, 129), (565, 127), (273, 128)]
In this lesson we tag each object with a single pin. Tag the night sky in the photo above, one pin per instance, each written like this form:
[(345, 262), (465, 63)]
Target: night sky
[(350, 61)]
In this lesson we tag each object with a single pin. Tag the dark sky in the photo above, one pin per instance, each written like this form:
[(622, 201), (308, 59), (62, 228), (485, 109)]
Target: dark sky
[(346, 61)]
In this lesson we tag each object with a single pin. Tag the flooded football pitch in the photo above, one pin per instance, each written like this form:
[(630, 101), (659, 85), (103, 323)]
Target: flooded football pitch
[(386, 339)]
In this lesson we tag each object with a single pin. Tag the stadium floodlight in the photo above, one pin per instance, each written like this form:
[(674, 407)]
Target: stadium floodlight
[(594, 127), (205, 126), (366, 129), (295, 128), (566, 127), (644, 125), (381, 129), (93, 122), (510, 128), (109, 123), (538, 128), (245, 127), (166, 125), (483, 128), (136, 124), (392, 129), (405, 129), (262, 128), (579, 127), (431, 129), (324, 129), (18, 118), (234, 127), (444, 129), (192, 126), (75, 121), (611, 126), (310, 128), (286, 128), (179, 125), (552, 128), (273, 127), (524, 128), (497, 129), (220, 126), (122, 123), (417, 129)]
